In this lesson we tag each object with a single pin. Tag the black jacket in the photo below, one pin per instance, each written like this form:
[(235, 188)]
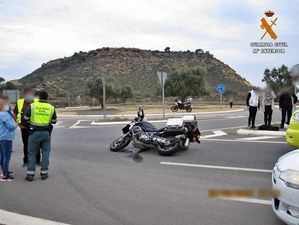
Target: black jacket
[(287, 100)]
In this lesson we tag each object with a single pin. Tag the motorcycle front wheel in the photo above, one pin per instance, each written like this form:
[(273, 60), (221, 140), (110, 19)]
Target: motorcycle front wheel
[(120, 143), (174, 108), (168, 150), (189, 109)]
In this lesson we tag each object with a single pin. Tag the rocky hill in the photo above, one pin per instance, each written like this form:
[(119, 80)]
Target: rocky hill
[(128, 65)]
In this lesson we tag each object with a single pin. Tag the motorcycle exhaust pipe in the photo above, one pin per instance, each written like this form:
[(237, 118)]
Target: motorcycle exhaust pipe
[(161, 140), (187, 142)]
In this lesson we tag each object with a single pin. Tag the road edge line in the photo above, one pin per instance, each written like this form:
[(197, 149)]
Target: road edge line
[(216, 167)]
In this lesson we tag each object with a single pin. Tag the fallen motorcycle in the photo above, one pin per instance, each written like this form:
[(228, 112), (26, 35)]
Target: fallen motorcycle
[(177, 134)]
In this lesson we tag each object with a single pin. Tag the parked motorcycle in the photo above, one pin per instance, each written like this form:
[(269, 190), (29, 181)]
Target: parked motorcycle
[(182, 105), (177, 134)]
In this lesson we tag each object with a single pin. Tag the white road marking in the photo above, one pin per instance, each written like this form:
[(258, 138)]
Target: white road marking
[(217, 167), (222, 128), (257, 138), (245, 141), (59, 124), (249, 200), (260, 132), (11, 218), (77, 123), (236, 117), (217, 133)]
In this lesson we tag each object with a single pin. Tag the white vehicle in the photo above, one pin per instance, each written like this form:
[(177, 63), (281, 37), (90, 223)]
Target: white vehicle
[(285, 179)]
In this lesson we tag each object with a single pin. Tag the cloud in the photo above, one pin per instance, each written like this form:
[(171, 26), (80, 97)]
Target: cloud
[(35, 31)]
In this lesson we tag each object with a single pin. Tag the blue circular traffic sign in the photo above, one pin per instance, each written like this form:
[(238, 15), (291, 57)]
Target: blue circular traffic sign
[(221, 88)]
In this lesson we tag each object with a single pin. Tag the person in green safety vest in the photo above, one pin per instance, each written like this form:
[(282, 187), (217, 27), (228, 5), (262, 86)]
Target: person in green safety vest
[(41, 115), (19, 112)]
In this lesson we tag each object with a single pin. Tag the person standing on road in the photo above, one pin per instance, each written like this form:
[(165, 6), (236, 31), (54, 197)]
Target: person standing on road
[(7, 134), (267, 103), (253, 104), (19, 113), (286, 101), (231, 102), (40, 115)]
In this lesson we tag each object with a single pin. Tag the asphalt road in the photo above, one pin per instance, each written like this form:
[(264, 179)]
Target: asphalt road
[(90, 185)]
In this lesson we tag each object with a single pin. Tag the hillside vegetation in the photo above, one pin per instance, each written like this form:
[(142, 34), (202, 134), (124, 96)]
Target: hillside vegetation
[(130, 66)]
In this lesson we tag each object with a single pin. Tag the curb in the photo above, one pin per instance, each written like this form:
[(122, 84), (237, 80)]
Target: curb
[(11, 218), (154, 115), (260, 132), (122, 122)]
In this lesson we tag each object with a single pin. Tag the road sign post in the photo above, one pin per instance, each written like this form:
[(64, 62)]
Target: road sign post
[(162, 78), (221, 88)]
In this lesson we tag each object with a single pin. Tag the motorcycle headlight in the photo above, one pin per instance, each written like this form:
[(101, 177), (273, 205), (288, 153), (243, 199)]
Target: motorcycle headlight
[(296, 117), (291, 178)]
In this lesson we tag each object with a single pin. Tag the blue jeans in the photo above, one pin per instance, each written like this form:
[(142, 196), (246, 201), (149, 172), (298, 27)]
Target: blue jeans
[(5, 153), (39, 139)]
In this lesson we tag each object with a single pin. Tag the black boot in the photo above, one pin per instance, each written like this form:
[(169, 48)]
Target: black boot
[(44, 176), (29, 177)]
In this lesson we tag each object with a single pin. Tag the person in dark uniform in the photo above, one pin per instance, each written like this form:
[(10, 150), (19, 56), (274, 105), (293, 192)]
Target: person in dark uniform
[(19, 112), (40, 115), (231, 102), (286, 101)]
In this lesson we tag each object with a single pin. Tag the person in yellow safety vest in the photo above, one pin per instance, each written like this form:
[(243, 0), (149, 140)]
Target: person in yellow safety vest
[(41, 115), (19, 112)]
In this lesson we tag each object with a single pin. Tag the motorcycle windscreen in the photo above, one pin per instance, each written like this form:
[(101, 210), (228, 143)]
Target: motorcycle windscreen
[(126, 129)]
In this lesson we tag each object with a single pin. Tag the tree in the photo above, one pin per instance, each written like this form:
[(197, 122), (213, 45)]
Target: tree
[(2, 80), (6, 85), (167, 49), (9, 86), (277, 77), (113, 90), (95, 88), (125, 92), (186, 82)]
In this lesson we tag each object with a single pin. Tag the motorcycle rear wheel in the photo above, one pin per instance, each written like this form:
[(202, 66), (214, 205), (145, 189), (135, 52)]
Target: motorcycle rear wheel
[(189, 109), (174, 108), (120, 144), (168, 150)]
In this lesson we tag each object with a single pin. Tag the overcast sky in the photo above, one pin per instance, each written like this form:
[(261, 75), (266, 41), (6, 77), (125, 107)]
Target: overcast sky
[(35, 31)]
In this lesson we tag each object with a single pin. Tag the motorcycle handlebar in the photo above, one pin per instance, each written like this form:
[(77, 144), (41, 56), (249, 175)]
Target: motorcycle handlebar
[(140, 114)]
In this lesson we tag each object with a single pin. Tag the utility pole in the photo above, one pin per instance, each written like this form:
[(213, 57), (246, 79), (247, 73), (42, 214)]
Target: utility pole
[(104, 95), (163, 95)]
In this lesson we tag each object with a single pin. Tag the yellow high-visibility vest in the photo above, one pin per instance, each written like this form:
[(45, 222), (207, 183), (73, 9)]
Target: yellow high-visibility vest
[(41, 114), (20, 104)]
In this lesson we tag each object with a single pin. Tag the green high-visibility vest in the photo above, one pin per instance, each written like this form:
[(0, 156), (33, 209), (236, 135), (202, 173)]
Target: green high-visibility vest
[(20, 104), (41, 114)]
